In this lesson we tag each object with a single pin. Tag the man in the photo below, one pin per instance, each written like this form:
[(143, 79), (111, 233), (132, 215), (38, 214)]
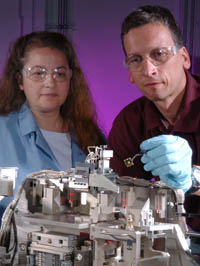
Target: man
[(163, 125)]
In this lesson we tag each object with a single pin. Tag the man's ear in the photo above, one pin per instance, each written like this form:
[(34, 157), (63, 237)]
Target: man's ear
[(186, 58)]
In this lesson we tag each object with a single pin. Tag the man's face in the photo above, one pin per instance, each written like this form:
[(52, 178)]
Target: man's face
[(158, 82)]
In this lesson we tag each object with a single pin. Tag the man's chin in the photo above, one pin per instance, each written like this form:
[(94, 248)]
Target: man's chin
[(156, 98)]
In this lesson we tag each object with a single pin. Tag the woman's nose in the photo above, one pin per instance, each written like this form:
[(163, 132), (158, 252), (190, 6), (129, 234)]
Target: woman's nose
[(50, 80)]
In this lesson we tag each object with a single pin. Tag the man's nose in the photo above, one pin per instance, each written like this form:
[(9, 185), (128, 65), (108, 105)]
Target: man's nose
[(148, 67)]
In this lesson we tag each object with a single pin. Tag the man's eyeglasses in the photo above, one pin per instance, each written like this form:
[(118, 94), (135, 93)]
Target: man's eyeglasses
[(40, 74), (157, 56)]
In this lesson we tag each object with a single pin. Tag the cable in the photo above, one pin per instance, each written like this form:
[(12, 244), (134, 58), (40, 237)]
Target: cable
[(8, 219)]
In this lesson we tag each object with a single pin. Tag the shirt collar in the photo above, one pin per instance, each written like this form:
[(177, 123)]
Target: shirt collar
[(189, 110), (27, 122)]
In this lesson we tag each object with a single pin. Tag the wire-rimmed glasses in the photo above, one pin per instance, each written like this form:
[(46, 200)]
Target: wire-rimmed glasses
[(40, 74), (157, 56)]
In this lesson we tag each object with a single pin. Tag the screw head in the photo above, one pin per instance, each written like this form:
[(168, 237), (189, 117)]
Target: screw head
[(79, 257)]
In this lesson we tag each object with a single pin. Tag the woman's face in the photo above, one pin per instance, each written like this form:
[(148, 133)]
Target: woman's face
[(46, 79)]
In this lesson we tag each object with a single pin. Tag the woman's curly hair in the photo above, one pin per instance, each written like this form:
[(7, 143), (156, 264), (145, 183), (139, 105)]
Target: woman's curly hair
[(78, 110)]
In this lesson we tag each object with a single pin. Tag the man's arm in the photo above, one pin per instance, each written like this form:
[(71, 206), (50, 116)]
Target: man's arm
[(124, 141)]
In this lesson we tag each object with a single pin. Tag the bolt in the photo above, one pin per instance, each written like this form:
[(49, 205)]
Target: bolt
[(79, 257), (22, 247)]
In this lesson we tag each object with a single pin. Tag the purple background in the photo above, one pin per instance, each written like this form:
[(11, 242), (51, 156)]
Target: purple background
[(98, 45), (96, 38)]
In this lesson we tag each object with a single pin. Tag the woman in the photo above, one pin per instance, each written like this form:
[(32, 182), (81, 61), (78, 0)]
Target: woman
[(47, 117)]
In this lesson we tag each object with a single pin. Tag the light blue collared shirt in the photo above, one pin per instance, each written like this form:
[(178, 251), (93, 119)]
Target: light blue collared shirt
[(23, 145)]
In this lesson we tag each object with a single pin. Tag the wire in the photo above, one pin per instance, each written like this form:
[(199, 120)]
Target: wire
[(8, 219)]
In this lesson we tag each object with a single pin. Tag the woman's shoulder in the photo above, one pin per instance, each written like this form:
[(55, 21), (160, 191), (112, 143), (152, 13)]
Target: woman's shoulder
[(9, 120), (5, 118), (7, 123)]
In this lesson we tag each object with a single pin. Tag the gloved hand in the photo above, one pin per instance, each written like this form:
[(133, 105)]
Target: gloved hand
[(170, 158)]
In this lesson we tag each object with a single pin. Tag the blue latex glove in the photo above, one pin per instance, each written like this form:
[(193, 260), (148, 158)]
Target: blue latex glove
[(170, 158)]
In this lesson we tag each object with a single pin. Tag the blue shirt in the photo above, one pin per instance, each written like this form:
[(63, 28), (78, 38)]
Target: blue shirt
[(23, 145)]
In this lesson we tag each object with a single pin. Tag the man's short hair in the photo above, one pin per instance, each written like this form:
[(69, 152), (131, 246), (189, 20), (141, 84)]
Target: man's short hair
[(149, 14)]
